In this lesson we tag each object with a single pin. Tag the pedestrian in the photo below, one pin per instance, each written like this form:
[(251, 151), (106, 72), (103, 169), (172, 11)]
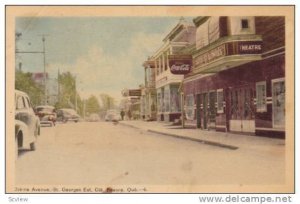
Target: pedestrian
[(122, 114), (129, 114)]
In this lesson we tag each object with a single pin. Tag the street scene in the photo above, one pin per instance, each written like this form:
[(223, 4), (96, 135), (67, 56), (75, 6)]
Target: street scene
[(185, 100), (111, 154)]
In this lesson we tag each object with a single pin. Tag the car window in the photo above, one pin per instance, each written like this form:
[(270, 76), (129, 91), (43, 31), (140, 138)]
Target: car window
[(29, 103), (26, 102), (20, 103)]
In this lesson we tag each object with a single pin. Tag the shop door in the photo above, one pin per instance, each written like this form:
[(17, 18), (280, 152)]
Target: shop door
[(198, 106), (205, 111), (212, 109), (242, 109)]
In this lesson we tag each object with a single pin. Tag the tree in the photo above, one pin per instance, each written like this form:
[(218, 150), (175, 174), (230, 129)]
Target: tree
[(24, 82), (108, 102), (92, 105), (68, 96)]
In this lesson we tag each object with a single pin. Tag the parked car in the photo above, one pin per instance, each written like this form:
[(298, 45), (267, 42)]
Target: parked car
[(27, 124), (93, 118), (46, 114), (67, 114), (112, 115)]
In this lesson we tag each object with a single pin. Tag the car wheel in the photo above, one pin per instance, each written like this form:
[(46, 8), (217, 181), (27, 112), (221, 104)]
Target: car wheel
[(32, 146)]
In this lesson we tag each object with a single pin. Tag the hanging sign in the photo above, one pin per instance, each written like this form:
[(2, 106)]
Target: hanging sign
[(180, 64)]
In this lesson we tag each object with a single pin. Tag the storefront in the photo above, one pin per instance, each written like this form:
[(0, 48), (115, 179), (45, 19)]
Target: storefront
[(148, 99), (238, 84), (167, 84)]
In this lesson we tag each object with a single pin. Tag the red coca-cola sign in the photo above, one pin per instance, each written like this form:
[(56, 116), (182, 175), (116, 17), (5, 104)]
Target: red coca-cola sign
[(180, 64)]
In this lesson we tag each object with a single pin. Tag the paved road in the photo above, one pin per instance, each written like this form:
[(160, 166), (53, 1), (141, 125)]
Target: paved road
[(102, 153)]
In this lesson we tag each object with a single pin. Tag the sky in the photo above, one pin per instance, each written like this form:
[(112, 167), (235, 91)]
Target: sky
[(104, 53)]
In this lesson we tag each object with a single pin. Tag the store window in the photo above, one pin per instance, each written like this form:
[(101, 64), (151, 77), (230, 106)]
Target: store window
[(159, 102), (261, 96), (189, 110), (220, 99), (278, 92), (175, 100), (167, 100), (234, 112)]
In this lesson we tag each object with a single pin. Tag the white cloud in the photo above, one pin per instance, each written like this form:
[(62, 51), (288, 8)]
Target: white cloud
[(99, 72)]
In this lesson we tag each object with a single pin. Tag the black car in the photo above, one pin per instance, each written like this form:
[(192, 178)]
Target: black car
[(66, 114), (47, 114)]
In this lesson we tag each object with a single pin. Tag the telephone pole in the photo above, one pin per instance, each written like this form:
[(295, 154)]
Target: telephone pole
[(44, 60)]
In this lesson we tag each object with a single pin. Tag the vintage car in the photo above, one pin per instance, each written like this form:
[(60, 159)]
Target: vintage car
[(46, 114), (27, 124), (67, 114), (93, 118), (112, 115)]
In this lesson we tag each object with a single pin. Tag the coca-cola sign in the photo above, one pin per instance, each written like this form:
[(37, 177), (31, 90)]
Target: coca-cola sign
[(180, 64)]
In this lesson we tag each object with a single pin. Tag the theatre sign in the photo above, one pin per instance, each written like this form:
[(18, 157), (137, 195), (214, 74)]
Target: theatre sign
[(227, 55), (180, 64)]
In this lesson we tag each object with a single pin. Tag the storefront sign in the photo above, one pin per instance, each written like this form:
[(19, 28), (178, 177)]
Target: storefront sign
[(180, 64), (210, 56), (249, 47), (134, 92)]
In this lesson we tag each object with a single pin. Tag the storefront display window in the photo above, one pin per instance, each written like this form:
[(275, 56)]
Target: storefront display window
[(220, 99), (162, 101), (167, 100), (159, 102), (234, 104), (189, 111), (153, 103), (261, 105), (278, 91), (175, 100)]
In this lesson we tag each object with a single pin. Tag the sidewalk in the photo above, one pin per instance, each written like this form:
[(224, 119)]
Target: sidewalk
[(222, 139)]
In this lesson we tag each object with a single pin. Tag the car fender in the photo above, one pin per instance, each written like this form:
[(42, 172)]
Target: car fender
[(27, 137)]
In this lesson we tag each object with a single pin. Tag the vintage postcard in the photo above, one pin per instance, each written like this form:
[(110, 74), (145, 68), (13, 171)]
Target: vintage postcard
[(150, 99)]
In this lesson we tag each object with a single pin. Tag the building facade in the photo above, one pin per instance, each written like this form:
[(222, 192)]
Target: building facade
[(167, 84), (237, 82), (148, 98)]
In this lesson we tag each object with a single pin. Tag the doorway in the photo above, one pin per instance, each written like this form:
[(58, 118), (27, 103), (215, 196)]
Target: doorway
[(241, 114)]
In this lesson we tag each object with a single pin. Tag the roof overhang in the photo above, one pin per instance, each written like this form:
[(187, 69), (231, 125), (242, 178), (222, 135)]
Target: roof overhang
[(227, 54)]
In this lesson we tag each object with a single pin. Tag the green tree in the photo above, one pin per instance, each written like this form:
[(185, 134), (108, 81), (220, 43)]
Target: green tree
[(108, 102), (92, 105), (68, 96), (24, 82)]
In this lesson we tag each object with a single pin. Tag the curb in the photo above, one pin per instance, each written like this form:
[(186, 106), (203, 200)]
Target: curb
[(132, 126), (231, 147), (207, 142)]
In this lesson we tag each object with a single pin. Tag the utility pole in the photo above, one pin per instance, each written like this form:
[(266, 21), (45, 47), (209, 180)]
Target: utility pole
[(45, 86), (44, 62)]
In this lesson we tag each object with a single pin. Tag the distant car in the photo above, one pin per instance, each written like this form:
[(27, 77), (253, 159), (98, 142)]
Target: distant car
[(67, 114), (112, 115), (27, 124), (93, 118), (46, 114)]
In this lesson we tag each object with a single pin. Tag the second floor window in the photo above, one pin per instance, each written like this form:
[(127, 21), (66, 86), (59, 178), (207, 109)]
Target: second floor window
[(245, 23)]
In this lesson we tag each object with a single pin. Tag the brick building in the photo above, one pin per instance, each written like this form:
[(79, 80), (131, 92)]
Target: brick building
[(237, 82)]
